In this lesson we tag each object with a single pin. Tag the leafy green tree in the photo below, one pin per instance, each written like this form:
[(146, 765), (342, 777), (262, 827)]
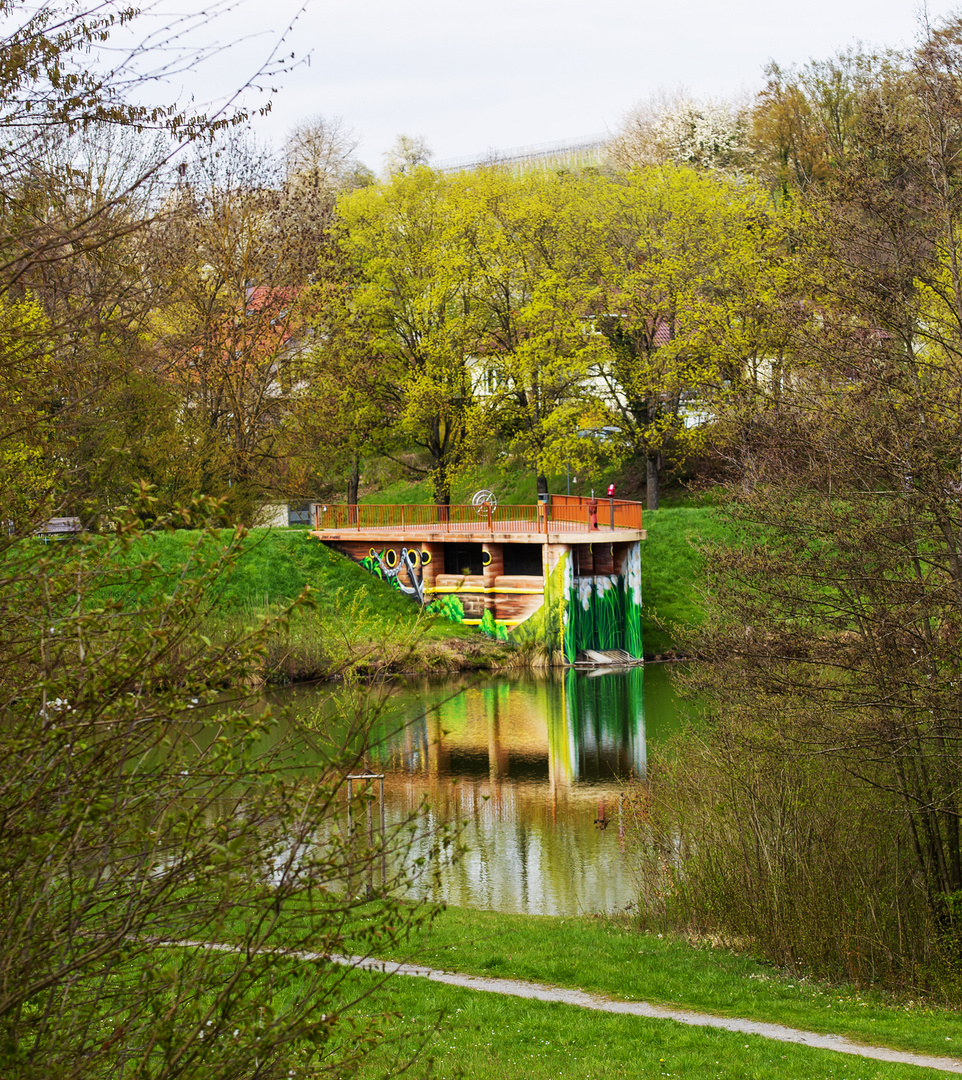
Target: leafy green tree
[(408, 280), (350, 410), (679, 282), (524, 238)]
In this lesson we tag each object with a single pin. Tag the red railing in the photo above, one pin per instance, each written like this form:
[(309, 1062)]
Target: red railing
[(563, 513), (610, 513)]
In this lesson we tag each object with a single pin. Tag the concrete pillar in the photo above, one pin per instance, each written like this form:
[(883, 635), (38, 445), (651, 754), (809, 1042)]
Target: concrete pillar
[(551, 555), (492, 558)]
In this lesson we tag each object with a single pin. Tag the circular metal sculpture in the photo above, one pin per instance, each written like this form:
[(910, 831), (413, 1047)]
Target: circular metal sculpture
[(483, 498)]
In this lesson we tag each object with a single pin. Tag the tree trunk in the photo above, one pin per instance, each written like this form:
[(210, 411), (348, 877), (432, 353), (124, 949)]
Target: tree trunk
[(353, 482), (651, 482), (442, 493), (542, 484)]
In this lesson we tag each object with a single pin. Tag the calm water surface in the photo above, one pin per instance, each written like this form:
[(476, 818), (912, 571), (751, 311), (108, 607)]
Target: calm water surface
[(532, 765)]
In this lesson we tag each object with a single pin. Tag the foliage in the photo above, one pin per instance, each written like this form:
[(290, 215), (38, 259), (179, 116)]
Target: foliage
[(237, 254), (525, 246), (834, 632), (686, 291), (672, 129), (133, 827), (807, 121), (409, 289)]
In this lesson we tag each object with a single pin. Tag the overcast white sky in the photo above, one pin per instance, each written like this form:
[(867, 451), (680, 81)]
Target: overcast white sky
[(475, 76)]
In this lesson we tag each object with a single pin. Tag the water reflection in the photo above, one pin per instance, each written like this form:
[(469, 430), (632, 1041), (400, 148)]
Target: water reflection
[(532, 765), (555, 730)]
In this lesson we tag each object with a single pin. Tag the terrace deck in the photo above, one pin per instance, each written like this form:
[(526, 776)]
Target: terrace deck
[(562, 520)]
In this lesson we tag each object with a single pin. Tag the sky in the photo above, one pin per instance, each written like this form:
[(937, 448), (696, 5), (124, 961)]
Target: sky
[(474, 77)]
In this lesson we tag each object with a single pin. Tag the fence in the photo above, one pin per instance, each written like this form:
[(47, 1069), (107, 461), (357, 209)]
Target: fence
[(562, 513)]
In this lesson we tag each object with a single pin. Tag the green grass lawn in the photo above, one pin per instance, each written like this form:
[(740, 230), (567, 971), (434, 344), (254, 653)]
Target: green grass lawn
[(485, 1035), (672, 569), (611, 956), (352, 619)]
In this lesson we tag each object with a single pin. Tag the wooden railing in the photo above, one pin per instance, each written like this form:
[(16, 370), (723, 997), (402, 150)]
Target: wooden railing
[(563, 513)]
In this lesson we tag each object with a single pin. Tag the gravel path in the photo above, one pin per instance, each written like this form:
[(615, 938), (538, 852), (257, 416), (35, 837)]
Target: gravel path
[(540, 992)]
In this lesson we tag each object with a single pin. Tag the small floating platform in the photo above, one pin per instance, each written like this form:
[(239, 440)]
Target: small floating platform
[(594, 658)]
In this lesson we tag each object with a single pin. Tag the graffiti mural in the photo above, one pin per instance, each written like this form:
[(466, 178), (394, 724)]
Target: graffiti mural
[(604, 610), (388, 564)]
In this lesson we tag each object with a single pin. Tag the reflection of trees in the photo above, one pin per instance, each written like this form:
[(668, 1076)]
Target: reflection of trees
[(523, 763)]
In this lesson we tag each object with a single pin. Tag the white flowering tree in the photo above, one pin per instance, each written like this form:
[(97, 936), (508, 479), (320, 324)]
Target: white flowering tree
[(675, 129)]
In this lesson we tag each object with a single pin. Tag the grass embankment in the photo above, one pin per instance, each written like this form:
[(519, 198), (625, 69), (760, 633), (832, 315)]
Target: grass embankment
[(352, 621), (485, 1034), (672, 569)]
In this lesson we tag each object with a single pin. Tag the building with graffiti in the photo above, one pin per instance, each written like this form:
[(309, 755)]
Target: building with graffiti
[(565, 571)]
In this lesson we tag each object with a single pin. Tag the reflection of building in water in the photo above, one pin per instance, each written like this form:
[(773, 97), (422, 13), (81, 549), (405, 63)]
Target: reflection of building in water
[(557, 732), (524, 763)]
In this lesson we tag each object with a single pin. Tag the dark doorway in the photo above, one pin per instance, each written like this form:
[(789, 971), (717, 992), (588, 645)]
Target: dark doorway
[(463, 559), (522, 559)]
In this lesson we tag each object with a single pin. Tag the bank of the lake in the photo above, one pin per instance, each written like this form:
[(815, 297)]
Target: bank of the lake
[(352, 621)]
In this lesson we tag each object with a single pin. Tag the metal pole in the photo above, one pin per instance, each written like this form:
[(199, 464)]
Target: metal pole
[(370, 810), (383, 844)]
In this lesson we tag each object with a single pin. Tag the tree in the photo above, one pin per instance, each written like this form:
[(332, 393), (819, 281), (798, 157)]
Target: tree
[(351, 410), (805, 122), (408, 279), (107, 417), (678, 292), (238, 254), (319, 156), (670, 128), (130, 830), (524, 239), (837, 623), (409, 153)]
